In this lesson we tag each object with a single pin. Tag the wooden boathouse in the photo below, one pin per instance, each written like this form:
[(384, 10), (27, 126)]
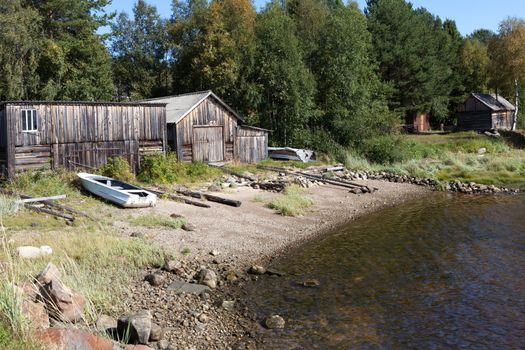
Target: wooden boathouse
[(40, 135), (202, 127), (483, 112)]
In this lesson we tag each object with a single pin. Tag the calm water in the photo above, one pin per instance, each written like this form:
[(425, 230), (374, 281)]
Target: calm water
[(443, 272)]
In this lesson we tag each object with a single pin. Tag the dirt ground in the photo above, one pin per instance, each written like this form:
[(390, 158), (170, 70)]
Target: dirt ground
[(254, 233)]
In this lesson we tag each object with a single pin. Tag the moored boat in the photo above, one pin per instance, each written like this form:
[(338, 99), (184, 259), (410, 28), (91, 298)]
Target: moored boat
[(118, 192)]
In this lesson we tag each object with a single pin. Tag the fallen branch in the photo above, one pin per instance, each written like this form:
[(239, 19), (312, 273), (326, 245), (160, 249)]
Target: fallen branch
[(50, 212)]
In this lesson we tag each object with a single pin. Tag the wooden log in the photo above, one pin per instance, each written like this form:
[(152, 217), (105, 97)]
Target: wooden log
[(211, 198), (178, 198), (231, 172), (42, 199), (269, 186), (50, 212)]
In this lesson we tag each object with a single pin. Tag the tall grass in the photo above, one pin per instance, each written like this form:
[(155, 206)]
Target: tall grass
[(292, 203)]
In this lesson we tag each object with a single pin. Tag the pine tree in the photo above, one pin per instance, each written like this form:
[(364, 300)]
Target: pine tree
[(75, 64), (20, 46), (140, 50)]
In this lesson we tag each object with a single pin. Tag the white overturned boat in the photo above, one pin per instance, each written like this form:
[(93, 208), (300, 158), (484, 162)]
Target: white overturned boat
[(118, 192)]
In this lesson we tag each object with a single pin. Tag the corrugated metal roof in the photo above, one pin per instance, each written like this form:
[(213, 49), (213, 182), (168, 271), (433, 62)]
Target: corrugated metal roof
[(496, 103), (179, 106)]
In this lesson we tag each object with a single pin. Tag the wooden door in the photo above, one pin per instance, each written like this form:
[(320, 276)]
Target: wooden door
[(208, 144)]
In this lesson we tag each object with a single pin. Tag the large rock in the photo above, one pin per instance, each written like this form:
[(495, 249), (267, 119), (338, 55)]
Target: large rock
[(63, 303), (49, 273), (106, 323), (274, 322), (257, 270), (72, 339), (136, 327), (157, 333), (208, 278), (36, 313), (181, 287), (155, 279), (29, 252)]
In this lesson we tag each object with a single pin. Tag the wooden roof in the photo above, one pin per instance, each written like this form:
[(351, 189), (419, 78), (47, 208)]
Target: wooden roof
[(495, 103), (177, 107)]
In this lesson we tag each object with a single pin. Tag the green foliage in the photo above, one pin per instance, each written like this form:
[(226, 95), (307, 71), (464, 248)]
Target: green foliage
[(20, 28), (118, 168), (42, 184), (165, 169), (154, 221), (417, 54), (9, 206), (292, 203), (139, 47), (387, 149), (286, 85)]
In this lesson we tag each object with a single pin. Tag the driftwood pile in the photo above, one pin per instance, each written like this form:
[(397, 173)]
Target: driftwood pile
[(46, 205), (352, 186)]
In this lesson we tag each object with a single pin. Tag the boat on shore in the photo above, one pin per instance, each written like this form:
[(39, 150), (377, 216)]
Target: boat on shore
[(118, 192)]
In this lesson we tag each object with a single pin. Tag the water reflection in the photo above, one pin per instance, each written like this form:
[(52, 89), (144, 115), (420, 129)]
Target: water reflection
[(441, 272)]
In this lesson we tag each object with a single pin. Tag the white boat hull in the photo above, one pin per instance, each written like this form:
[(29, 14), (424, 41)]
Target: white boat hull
[(124, 195)]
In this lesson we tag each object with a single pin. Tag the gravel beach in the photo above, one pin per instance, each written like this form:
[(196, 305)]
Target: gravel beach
[(228, 241)]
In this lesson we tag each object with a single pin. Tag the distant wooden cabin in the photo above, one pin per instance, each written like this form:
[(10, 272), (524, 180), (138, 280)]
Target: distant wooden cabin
[(40, 135), (482, 112), (418, 122), (202, 127)]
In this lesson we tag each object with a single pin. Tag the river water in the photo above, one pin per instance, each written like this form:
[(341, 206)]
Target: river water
[(441, 272)]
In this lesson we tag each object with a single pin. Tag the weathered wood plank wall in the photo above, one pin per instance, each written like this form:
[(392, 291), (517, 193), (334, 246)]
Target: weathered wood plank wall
[(251, 145), (3, 143), (85, 134), (208, 113)]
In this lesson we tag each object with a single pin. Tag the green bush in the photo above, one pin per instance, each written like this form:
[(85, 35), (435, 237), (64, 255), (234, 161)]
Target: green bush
[(41, 184), (389, 150), (165, 169), (118, 168), (159, 168)]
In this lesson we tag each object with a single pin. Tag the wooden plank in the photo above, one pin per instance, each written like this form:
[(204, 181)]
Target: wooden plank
[(42, 199)]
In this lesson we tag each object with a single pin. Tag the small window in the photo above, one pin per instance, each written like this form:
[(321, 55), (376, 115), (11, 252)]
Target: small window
[(29, 120)]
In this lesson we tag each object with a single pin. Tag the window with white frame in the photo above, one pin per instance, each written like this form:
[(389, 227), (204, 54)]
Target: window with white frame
[(29, 120)]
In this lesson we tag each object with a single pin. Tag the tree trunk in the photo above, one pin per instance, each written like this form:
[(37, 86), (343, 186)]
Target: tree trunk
[(516, 104)]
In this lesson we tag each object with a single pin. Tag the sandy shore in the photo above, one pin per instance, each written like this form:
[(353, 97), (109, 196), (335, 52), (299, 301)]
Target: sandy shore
[(254, 233)]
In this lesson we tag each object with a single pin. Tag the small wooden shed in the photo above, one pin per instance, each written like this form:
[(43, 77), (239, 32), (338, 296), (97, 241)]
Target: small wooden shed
[(418, 122), (482, 112), (43, 134), (202, 127)]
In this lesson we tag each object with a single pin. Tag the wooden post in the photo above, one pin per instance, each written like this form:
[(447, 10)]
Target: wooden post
[(10, 151), (516, 104)]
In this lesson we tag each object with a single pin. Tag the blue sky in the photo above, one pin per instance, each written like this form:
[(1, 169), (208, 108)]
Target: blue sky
[(468, 14)]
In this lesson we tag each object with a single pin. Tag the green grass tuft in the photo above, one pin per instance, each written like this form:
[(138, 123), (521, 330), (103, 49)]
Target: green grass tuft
[(154, 221), (292, 202)]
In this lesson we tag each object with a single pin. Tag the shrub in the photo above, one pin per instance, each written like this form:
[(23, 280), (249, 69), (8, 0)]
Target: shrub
[(165, 169), (389, 149), (9, 206), (41, 184), (118, 168)]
